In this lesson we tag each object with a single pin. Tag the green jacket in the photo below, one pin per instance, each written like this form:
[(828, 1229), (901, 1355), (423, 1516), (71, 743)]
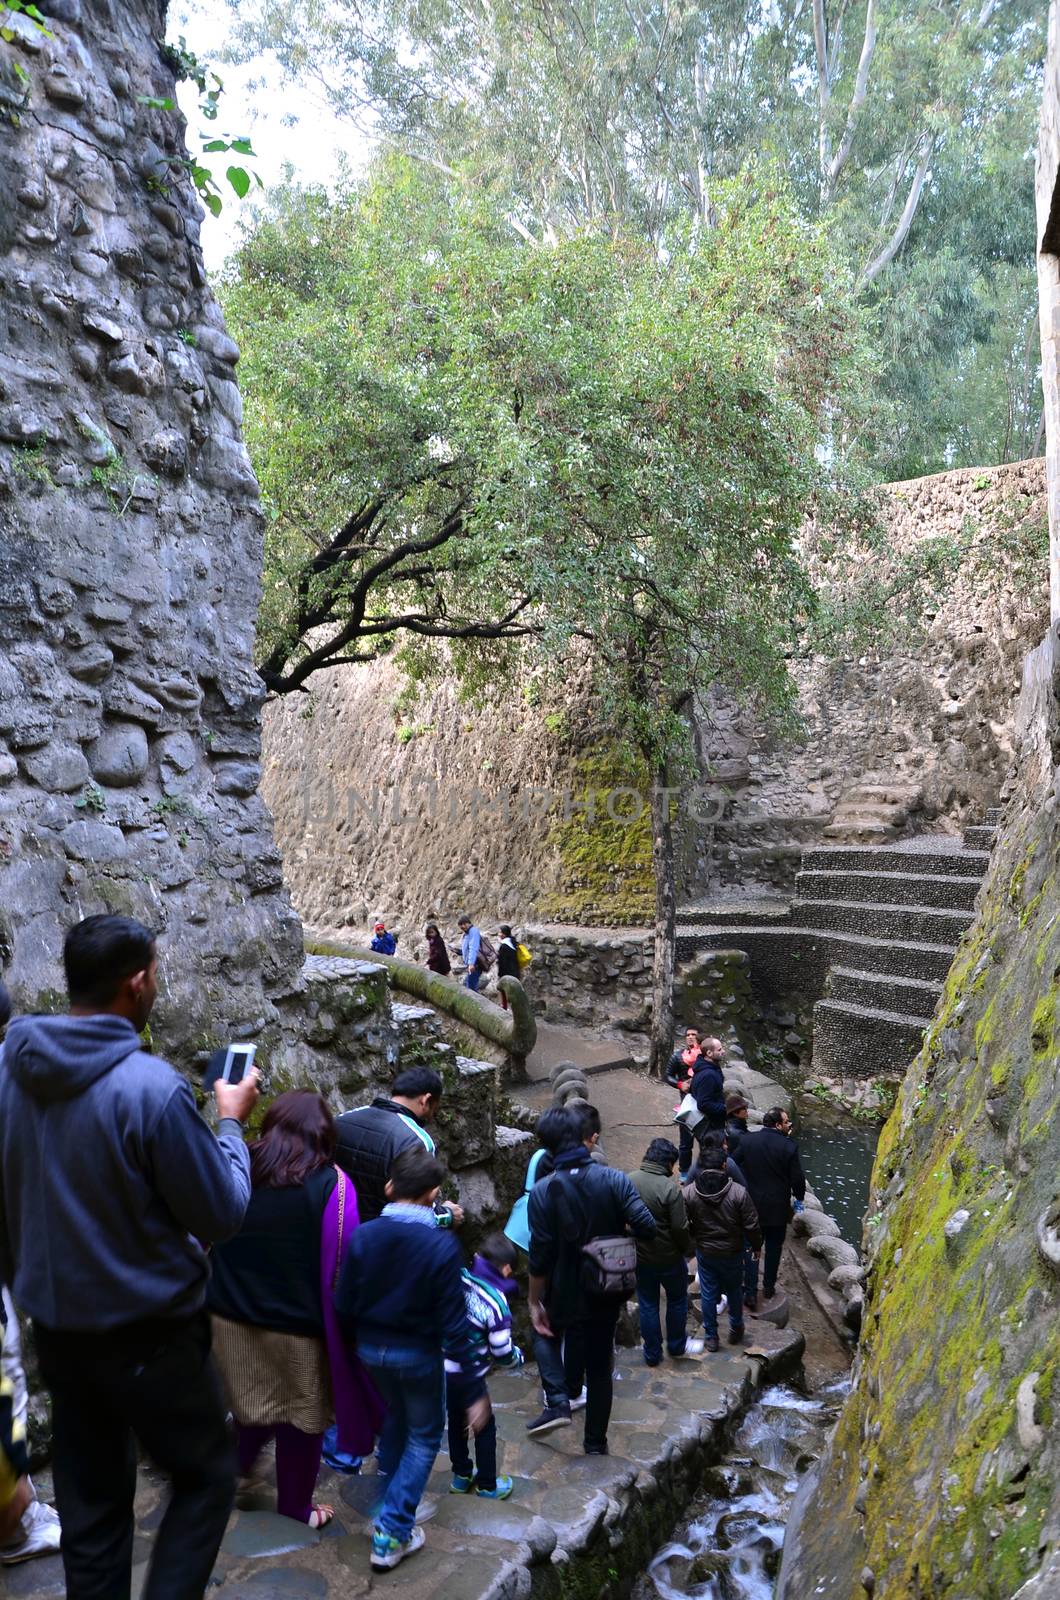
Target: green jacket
[(660, 1193)]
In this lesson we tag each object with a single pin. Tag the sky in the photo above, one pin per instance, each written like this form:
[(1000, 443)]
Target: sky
[(311, 145)]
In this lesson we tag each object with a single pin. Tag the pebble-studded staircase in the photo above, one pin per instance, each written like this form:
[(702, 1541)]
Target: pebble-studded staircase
[(877, 923)]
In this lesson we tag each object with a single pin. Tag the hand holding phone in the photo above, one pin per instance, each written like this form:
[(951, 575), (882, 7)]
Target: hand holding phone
[(237, 1099)]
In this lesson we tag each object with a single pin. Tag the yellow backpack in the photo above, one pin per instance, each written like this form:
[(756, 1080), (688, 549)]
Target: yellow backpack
[(523, 955)]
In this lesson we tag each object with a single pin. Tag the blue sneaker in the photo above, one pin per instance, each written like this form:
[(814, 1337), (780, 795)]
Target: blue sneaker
[(501, 1492), (461, 1483), (387, 1551)]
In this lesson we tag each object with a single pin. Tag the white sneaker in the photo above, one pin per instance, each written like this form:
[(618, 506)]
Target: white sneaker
[(580, 1401), (39, 1533), (693, 1347), (388, 1552), (722, 1304)]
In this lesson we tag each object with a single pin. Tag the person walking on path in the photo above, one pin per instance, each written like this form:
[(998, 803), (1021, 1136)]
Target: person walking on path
[(476, 952), (401, 1298), (661, 1262), (111, 1185), (684, 1060), (286, 1370), (721, 1220), (707, 1089), (383, 943), (769, 1161), (370, 1138), (437, 954), (486, 1289), (507, 958), (580, 1201)]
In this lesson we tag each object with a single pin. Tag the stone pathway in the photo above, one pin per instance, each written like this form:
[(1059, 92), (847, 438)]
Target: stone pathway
[(585, 1049)]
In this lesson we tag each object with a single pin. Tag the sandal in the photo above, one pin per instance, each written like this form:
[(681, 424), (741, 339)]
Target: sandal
[(320, 1516)]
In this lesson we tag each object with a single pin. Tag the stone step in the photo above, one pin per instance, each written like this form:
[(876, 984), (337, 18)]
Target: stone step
[(905, 958), (931, 859), (852, 1041), (734, 913), (993, 816), (930, 924), (880, 794), (884, 991), (861, 831), (896, 888), (980, 837)]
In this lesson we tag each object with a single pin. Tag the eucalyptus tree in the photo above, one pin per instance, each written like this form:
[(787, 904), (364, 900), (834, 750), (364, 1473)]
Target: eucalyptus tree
[(592, 452)]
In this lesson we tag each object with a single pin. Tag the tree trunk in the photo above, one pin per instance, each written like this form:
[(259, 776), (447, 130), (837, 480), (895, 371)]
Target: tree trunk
[(662, 859)]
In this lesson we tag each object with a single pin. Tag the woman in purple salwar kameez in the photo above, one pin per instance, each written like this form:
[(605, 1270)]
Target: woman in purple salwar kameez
[(287, 1372)]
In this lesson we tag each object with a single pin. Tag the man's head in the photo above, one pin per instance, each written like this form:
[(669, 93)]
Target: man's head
[(379, 927), (419, 1090), (506, 930), (111, 966), (712, 1049), (715, 1141), (711, 1158), (501, 1254), (558, 1129), (736, 1107), (589, 1123), (691, 1039), (662, 1153), (777, 1117), (415, 1177), (463, 923)]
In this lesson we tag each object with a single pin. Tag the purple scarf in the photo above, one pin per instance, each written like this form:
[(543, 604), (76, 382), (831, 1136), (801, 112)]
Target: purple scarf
[(359, 1411)]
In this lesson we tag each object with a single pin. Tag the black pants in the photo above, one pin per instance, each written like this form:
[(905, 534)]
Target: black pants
[(685, 1146), (772, 1248), (593, 1338), (456, 1404), (152, 1382)]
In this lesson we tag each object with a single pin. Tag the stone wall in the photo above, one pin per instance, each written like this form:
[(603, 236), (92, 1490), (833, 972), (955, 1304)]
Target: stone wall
[(130, 546), (460, 822), (1047, 208)]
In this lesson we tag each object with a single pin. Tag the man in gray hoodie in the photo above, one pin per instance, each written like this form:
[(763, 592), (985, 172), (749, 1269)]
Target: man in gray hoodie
[(111, 1185)]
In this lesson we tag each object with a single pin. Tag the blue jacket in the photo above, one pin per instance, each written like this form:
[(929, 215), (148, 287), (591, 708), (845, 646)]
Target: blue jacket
[(110, 1180), (401, 1287), (708, 1091), (384, 944)]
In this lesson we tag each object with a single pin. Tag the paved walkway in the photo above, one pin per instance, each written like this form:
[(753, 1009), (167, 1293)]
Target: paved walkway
[(585, 1049)]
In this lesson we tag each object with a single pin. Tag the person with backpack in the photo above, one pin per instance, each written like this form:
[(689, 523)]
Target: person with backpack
[(476, 952), (383, 942), (721, 1220), (487, 1285), (437, 955), (370, 1138), (661, 1262), (582, 1267), (508, 965)]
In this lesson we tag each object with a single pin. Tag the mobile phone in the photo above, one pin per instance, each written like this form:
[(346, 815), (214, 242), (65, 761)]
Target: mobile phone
[(239, 1058)]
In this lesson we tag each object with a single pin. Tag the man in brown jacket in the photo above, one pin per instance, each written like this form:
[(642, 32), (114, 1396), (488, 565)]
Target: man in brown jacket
[(721, 1218)]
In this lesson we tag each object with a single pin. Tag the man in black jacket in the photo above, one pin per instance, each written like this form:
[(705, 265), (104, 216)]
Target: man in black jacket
[(707, 1089), (769, 1160), (580, 1201), (370, 1138)]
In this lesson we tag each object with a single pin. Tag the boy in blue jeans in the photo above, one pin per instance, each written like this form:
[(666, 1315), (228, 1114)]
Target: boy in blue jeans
[(490, 1323), (401, 1298)]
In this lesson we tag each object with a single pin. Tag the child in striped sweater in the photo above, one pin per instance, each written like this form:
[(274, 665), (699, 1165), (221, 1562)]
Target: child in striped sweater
[(486, 1287)]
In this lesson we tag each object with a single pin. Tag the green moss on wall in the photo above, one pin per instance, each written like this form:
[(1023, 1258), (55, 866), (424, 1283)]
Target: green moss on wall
[(605, 855)]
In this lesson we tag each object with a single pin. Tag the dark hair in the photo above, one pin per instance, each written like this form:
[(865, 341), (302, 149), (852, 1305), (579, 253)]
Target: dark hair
[(499, 1251), (558, 1129), (662, 1151), (711, 1158), (713, 1139), (773, 1116), (297, 1139), (5, 1006), (693, 1030), (461, 920), (506, 930), (588, 1119), (100, 953), (415, 1081), (432, 927), (414, 1172)]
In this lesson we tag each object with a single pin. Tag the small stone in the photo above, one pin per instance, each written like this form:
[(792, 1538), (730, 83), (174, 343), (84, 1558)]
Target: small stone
[(120, 755), (953, 1225), (217, 343), (236, 777), (58, 768), (124, 699), (167, 452), (104, 327), (868, 1580), (93, 841), (54, 597), (168, 216), (33, 195), (63, 90), (86, 360), (135, 373), (65, 10), (178, 751), (8, 766), (91, 263), (1031, 1434), (101, 609), (21, 426)]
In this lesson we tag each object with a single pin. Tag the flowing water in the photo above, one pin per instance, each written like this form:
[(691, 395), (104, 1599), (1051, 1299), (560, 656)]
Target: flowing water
[(838, 1163), (730, 1548)]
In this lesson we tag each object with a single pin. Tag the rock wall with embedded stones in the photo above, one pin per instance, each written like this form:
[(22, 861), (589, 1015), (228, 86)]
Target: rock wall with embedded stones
[(438, 807), (130, 545), (943, 1477)]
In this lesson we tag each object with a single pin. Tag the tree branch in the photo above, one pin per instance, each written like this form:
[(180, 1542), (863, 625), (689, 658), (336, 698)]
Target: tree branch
[(857, 101), (905, 221), (824, 88)]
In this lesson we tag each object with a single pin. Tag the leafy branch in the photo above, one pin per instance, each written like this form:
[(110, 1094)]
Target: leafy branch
[(187, 67)]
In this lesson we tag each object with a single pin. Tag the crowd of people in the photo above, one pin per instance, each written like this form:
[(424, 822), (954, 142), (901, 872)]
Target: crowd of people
[(199, 1298), (475, 954)]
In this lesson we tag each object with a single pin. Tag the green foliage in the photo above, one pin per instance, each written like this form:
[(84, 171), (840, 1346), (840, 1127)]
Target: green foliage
[(910, 127), (92, 798)]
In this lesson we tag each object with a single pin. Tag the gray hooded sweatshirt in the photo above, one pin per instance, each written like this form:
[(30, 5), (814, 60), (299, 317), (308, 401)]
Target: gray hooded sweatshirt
[(110, 1180)]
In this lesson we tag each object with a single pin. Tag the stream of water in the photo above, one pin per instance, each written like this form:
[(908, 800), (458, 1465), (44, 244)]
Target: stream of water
[(838, 1162), (731, 1546)]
